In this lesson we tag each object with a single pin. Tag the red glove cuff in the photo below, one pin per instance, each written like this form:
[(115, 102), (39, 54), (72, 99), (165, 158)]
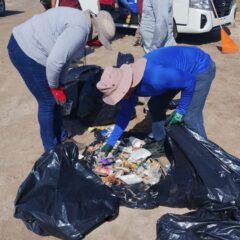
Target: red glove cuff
[(94, 43), (59, 94)]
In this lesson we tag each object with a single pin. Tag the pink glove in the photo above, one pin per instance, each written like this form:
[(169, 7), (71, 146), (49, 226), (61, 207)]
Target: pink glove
[(59, 95)]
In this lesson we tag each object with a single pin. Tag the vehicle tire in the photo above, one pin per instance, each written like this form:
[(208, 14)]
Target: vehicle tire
[(2, 8), (175, 32)]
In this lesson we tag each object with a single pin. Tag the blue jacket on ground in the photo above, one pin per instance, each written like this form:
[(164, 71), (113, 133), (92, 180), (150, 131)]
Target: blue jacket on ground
[(168, 68)]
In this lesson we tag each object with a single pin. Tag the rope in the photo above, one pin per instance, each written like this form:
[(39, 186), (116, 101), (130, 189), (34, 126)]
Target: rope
[(215, 11)]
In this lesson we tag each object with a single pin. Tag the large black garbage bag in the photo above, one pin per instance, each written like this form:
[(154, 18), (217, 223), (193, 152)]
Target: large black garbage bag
[(219, 172), (62, 197), (181, 187), (201, 173), (204, 224), (92, 111), (76, 79), (88, 105)]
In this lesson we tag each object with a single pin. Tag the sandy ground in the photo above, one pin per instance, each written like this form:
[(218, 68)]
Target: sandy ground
[(20, 142)]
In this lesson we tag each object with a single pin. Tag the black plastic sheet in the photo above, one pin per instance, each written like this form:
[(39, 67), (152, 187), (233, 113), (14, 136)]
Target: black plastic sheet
[(217, 171), (204, 224), (217, 191), (180, 187), (62, 197), (201, 173), (76, 78), (88, 105), (92, 110)]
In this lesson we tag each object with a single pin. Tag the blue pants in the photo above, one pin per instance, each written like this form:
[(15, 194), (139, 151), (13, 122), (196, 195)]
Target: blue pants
[(194, 116), (49, 113), (125, 4)]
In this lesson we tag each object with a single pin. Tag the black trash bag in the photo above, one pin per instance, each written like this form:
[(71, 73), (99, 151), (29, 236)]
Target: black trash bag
[(180, 187), (199, 175), (217, 171), (92, 111), (219, 216), (124, 58), (204, 224), (62, 197), (76, 79), (88, 105)]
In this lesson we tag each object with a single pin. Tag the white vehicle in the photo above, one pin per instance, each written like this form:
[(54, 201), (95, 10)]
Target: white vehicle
[(190, 16), (197, 16)]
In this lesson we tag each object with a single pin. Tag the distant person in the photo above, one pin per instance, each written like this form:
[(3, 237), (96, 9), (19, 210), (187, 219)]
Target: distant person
[(138, 37), (160, 75), (157, 24), (66, 3), (126, 5), (41, 49), (156, 27)]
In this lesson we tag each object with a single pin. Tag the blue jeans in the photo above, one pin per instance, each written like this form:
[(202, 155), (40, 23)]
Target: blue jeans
[(49, 113), (125, 4), (194, 116)]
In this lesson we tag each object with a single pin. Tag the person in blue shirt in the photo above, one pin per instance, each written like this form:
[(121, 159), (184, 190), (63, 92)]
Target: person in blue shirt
[(160, 74)]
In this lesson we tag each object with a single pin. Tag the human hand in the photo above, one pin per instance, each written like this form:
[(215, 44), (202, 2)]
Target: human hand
[(59, 95), (175, 118), (106, 149)]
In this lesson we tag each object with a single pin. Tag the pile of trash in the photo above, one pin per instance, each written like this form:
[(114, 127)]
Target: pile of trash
[(128, 163), (63, 197)]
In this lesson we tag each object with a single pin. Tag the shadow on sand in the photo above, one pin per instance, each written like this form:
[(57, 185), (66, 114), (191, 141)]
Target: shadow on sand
[(12, 12)]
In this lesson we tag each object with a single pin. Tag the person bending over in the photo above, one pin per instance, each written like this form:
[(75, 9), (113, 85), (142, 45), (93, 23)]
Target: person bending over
[(160, 75), (41, 49)]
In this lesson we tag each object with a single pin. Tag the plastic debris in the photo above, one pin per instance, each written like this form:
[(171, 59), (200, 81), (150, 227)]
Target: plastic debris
[(140, 154), (91, 129), (127, 164), (135, 142), (131, 179)]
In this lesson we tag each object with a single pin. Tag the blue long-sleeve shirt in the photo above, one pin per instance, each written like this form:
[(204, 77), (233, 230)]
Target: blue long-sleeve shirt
[(167, 68)]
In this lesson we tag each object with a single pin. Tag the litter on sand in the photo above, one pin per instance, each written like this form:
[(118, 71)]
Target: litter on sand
[(128, 163)]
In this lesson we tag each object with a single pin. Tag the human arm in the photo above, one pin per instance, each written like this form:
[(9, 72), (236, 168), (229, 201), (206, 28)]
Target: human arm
[(123, 118), (71, 42), (59, 94), (160, 11), (186, 94)]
